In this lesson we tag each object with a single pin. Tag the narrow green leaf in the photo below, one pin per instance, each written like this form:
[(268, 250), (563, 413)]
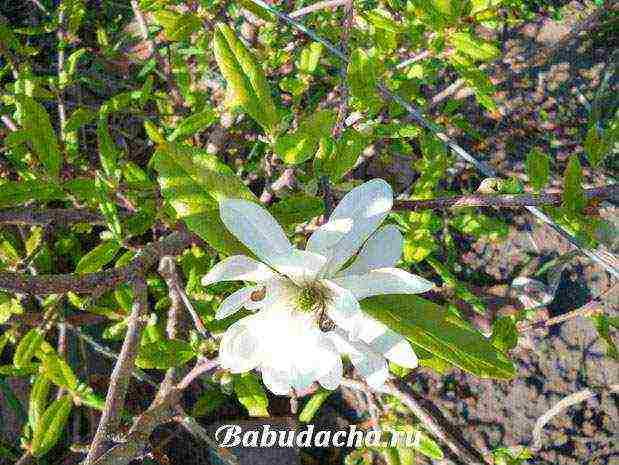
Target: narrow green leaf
[(335, 159), (299, 146), (476, 48), (51, 426), (310, 55), (312, 405), (39, 395), (573, 194), (177, 26), (193, 124), (35, 121), (59, 371), (429, 326), (194, 181), (247, 84), (80, 117), (27, 347), (538, 169), (98, 257), (362, 80), (251, 394), (164, 354), (504, 334)]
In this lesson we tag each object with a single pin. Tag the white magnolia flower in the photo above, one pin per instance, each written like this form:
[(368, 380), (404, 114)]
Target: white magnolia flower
[(306, 301)]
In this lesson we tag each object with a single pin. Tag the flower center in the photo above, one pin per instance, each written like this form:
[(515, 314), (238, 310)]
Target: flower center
[(310, 299)]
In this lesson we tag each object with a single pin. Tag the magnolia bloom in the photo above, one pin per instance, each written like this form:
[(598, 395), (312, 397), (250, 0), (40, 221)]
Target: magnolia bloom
[(307, 301)]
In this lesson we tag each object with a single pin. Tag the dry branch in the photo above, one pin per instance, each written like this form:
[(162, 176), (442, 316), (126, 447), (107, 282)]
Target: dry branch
[(119, 381), (173, 244)]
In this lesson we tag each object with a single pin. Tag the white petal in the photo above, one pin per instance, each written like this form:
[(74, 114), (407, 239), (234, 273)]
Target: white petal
[(235, 301), (238, 268), (255, 227), (387, 342), (343, 308), (278, 382), (333, 378), (329, 234), (373, 368), (238, 349), (384, 281), (367, 206), (401, 352), (299, 265), (382, 250), (370, 364)]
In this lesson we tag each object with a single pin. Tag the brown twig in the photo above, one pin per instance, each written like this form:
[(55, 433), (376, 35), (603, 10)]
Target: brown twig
[(173, 244), (610, 192), (119, 381), (51, 216), (178, 296)]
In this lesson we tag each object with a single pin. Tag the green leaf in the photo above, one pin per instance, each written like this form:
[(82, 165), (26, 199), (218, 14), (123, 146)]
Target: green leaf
[(74, 12), (474, 47), (297, 209), (35, 122), (9, 306), (251, 394), (335, 159), (312, 405), (382, 19), (27, 347), (51, 425), (80, 117), (310, 55), (59, 371), (247, 84), (573, 194), (194, 181), (301, 145), (193, 124), (538, 169), (164, 354), (98, 257), (442, 333), (476, 79), (208, 402), (599, 144), (37, 403), (504, 334), (177, 26), (603, 324), (362, 81)]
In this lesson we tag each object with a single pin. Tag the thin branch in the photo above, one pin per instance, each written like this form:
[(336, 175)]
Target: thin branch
[(52, 216), (167, 269), (324, 5), (435, 426), (119, 381), (563, 404), (109, 353), (173, 244), (504, 200)]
